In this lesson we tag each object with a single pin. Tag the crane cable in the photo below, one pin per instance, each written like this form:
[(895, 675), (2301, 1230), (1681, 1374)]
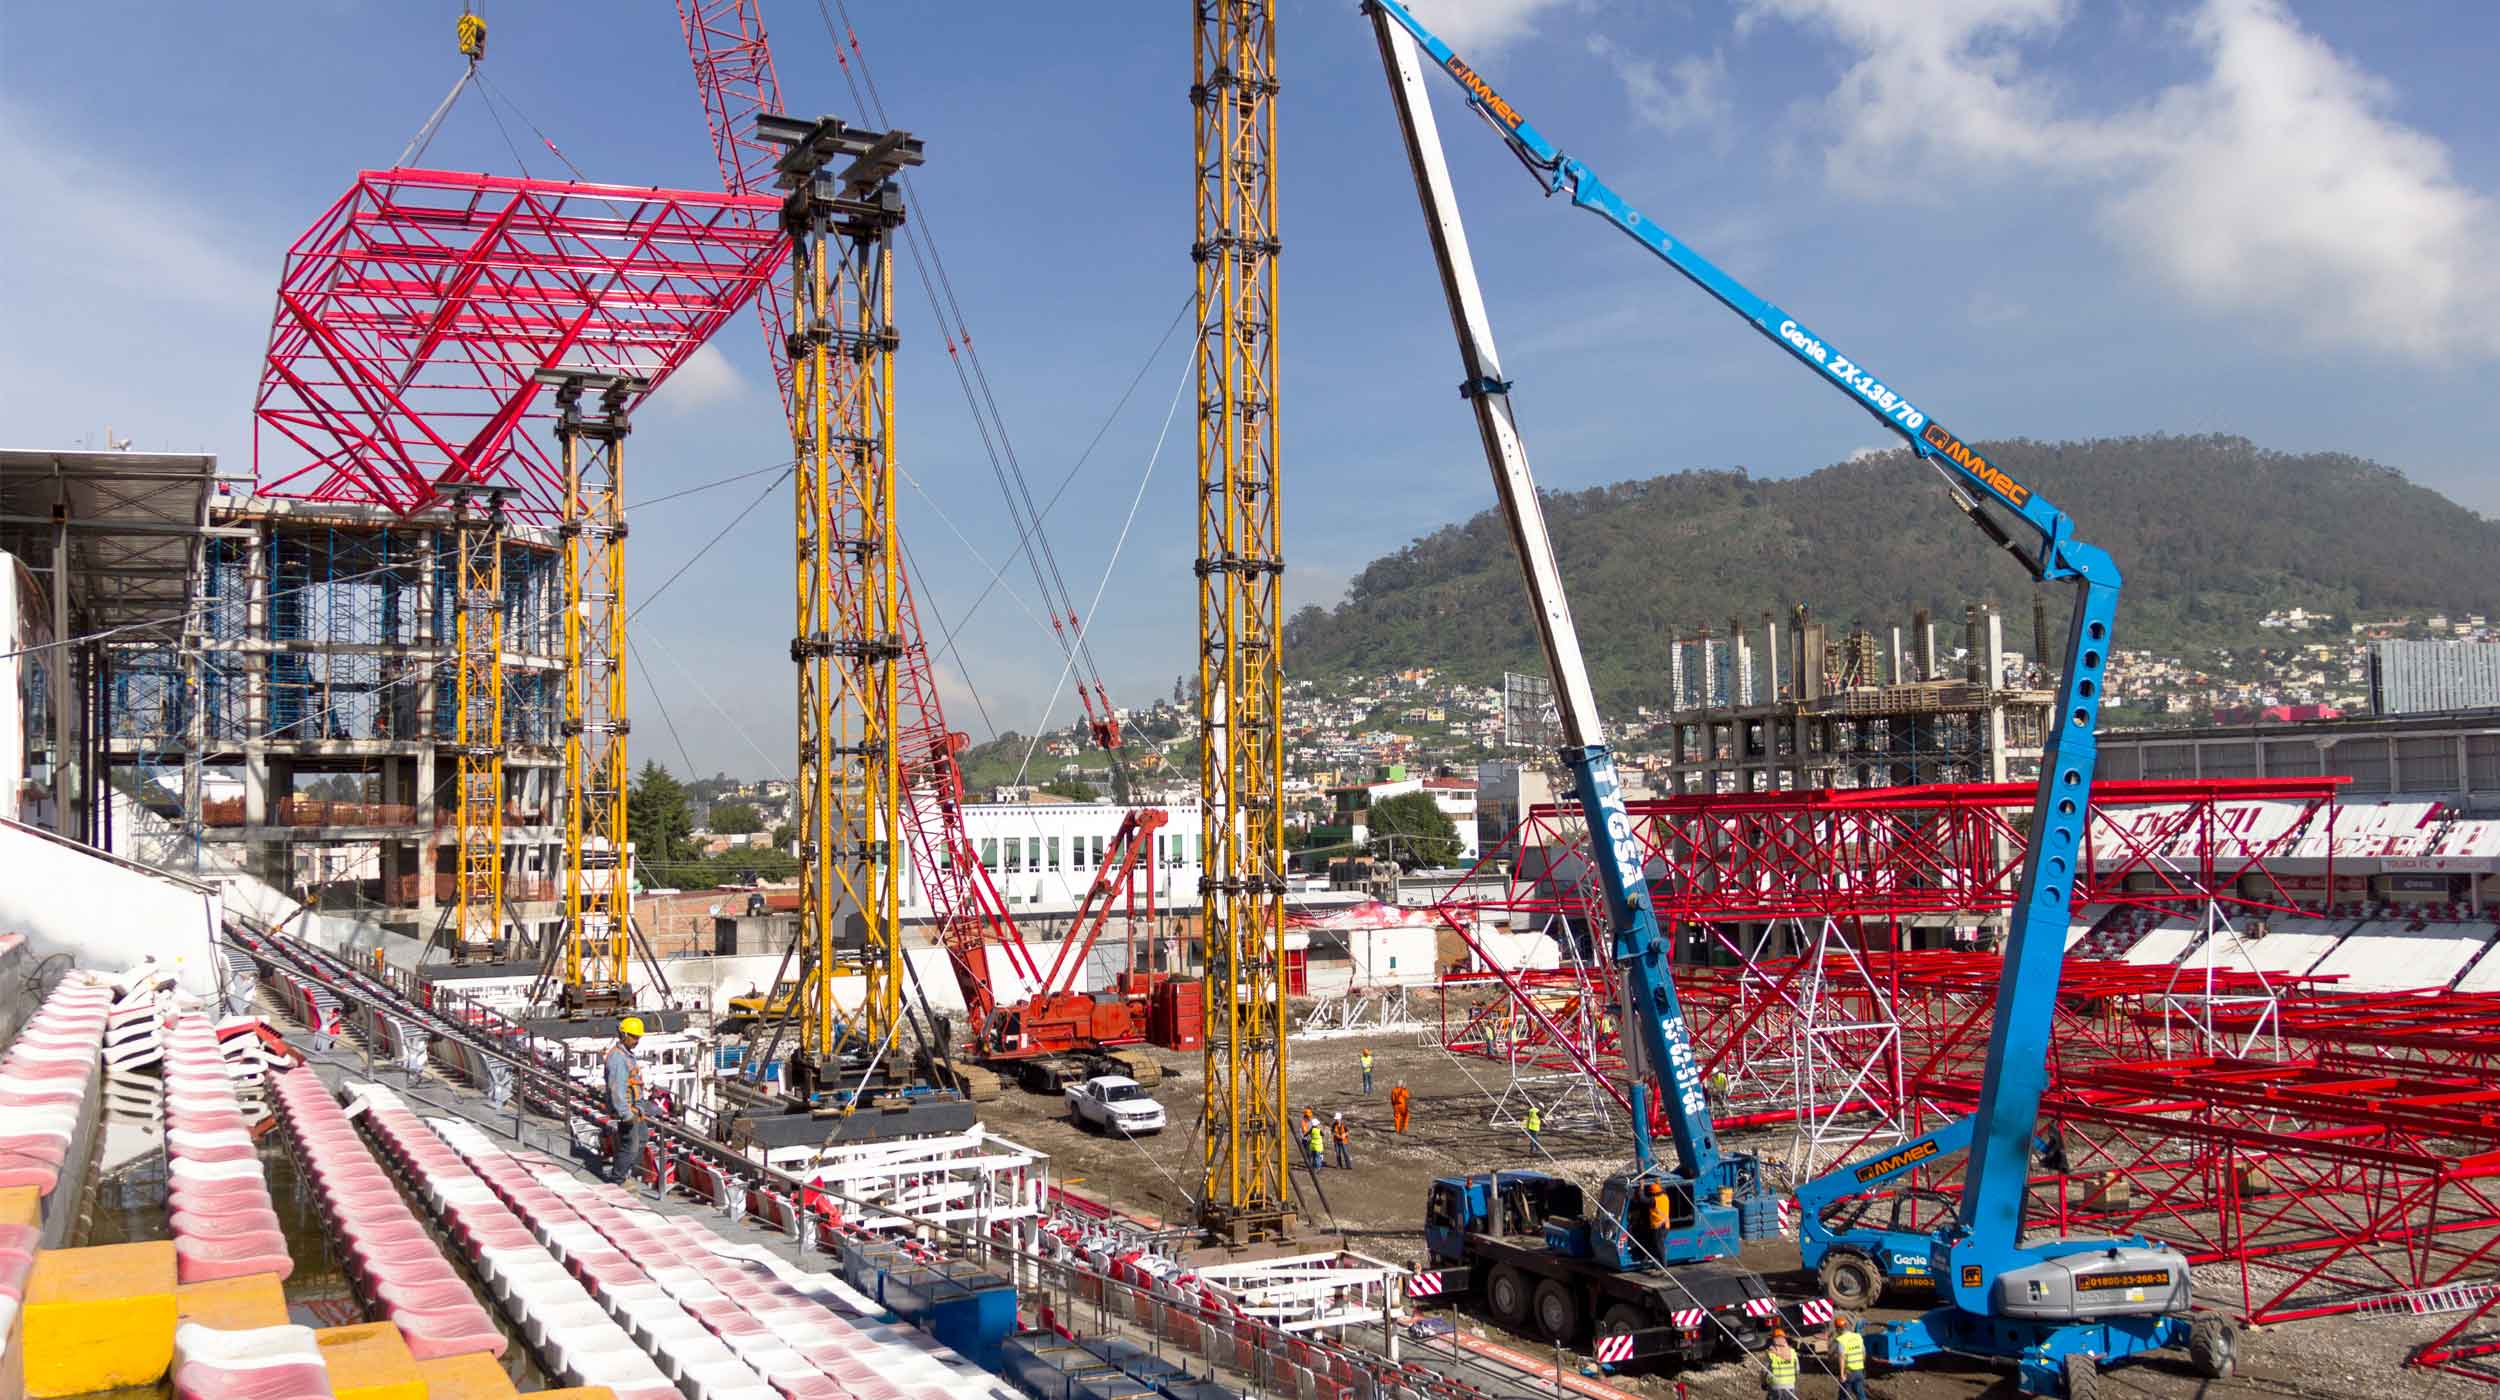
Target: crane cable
[(470, 37), (1066, 622)]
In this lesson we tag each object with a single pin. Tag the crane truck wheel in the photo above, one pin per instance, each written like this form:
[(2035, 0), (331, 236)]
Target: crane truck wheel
[(2212, 1346), (1559, 1316), (1622, 1319), (2083, 1377), (1851, 1280), (1506, 1295)]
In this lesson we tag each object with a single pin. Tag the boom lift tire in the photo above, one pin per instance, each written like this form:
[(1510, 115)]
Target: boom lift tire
[(2212, 1346), (1507, 1296), (1851, 1280), (2083, 1377), (1559, 1317)]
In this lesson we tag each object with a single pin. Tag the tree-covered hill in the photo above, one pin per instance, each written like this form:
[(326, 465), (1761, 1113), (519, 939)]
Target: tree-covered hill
[(2211, 533)]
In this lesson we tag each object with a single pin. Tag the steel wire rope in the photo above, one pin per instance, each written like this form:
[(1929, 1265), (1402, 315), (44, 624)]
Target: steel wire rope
[(1152, 459)]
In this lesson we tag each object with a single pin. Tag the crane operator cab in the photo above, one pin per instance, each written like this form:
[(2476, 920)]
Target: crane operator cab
[(1501, 1203)]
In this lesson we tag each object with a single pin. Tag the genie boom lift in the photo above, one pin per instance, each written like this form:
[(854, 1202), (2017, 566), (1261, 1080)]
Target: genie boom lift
[(2057, 1308)]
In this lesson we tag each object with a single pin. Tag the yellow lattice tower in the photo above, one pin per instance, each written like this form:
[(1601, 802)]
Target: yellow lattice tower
[(1240, 672), (598, 888), (477, 719), (848, 582)]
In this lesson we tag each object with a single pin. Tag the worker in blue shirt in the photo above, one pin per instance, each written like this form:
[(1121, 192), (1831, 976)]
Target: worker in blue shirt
[(627, 1101)]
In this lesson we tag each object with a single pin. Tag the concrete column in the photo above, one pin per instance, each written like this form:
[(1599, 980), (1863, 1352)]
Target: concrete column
[(62, 659), (258, 806)]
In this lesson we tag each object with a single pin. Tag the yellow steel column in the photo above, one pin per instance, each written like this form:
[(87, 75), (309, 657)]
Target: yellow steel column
[(477, 722), (849, 583), (598, 885), (1240, 670)]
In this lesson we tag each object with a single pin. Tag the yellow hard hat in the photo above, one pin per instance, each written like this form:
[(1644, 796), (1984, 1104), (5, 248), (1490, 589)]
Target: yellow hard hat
[(631, 1025)]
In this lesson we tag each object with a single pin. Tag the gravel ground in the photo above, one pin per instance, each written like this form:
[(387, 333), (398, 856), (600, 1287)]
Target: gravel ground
[(1375, 1209)]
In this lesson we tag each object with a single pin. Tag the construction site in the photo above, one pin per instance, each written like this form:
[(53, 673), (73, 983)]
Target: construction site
[(1889, 1048)]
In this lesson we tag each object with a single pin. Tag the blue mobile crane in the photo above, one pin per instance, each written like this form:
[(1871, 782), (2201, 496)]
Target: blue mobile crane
[(1651, 1279), (2057, 1307)]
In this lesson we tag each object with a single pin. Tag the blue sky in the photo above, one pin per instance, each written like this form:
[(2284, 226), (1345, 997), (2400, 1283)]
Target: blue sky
[(2038, 218)]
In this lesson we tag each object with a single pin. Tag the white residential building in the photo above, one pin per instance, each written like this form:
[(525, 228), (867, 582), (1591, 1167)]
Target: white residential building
[(1042, 856)]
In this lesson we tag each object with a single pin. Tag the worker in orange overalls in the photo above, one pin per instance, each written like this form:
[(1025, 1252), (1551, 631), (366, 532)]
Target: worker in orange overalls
[(1398, 1100)]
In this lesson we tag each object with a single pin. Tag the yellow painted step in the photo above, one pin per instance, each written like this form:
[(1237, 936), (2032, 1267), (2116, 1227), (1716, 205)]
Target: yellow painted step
[(99, 1319), (473, 1375), (370, 1361), (233, 1304), (21, 1205)]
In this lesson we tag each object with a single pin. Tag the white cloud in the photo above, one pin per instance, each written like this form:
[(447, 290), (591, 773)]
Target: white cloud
[(126, 276), (115, 230), (706, 378), (2276, 183), (1478, 26), (1688, 94)]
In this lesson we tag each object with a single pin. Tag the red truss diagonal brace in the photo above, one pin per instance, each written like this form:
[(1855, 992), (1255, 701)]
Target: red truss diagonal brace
[(414, 314)]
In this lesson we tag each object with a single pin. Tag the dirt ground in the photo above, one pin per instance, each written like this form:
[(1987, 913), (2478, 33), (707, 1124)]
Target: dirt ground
[(1377, 1208)]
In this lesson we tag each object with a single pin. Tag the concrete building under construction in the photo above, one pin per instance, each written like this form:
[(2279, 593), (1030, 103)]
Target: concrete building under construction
[(271, 685), (1779, 707)]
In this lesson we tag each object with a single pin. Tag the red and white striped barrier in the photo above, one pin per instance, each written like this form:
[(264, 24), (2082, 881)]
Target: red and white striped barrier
[(1615, 1350), (1815, 1312), (1762, 1307), (1424, 1285), (1690, 1317)]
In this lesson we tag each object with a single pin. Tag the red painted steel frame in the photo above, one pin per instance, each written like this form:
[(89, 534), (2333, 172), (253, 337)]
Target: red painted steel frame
[(413, 315), (2359, 1169)]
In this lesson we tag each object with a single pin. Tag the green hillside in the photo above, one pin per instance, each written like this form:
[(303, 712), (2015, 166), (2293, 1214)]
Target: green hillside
[(2211, 533)]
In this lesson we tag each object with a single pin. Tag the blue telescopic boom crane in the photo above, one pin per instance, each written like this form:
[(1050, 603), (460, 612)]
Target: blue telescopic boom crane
[(2060, 1306)]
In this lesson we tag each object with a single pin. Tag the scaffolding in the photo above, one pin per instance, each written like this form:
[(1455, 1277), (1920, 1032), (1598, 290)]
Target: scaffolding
[(850, 624), (477, 723), (598, 878), (1240, 670)]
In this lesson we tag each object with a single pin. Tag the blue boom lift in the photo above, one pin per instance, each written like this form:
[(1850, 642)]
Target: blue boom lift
[(2056, 1307), (1526, 1240)]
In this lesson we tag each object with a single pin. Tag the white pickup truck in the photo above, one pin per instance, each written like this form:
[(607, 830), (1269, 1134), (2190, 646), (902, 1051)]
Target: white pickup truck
[(1114, 1103)]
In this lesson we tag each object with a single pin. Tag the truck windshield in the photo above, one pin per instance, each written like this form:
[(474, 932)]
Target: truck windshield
[(1120, 1093)]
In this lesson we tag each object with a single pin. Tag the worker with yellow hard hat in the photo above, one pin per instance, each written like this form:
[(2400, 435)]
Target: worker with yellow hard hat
[(627, 1103)]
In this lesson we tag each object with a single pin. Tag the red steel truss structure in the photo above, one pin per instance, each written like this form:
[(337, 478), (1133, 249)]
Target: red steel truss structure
[(2338, 1152), (414, 315), (1866, 858)]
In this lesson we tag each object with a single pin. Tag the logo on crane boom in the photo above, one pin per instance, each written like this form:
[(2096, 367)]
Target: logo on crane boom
[(1484, 94), (1959, 453)]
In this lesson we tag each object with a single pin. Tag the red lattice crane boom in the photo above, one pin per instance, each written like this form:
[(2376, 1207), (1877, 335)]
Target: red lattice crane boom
[(736, 80)]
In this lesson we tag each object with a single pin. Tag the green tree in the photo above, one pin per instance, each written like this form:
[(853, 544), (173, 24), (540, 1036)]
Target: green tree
[(1074, 789), (1420, 832), (657, 818), (783, 835), (736, 819)]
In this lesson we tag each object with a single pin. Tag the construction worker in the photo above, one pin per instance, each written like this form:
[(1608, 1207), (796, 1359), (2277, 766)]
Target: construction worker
[(1782, 1361), (1661, 1215), (627, 1102), (1338, 1130), (1849, 1357), (1315, 1143), (1398, 1101), (1536, 1124), (1718, 1090), (1367, 1071)]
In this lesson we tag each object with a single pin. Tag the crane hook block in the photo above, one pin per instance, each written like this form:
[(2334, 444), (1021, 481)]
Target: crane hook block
[(472, 33)]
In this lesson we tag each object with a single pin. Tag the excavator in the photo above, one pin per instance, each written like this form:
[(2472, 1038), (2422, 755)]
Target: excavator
[(2057, 1309)]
